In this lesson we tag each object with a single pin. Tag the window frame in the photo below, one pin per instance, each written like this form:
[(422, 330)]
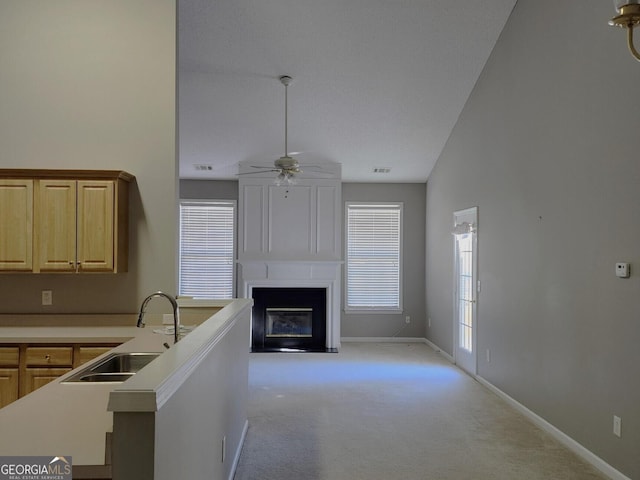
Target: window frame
[(374, 309), (223, 202)]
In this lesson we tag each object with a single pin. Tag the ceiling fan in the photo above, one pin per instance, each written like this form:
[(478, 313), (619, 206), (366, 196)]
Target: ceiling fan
[(286, 166)]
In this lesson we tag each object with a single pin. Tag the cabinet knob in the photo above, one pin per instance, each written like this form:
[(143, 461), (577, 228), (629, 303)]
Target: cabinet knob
[(47, 357)]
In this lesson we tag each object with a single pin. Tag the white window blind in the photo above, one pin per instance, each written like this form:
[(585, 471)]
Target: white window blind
[(207, 238), (374, 239)]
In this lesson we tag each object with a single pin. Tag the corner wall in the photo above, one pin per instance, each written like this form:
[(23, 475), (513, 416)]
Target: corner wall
[(547, 148), (92, 85)]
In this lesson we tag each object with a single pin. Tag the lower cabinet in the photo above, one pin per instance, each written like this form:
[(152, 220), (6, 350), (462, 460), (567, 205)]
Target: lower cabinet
[(34, 378), (27, 367), (8, 385)]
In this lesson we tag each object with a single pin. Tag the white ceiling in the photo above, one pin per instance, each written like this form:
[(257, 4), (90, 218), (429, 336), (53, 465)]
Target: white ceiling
[(377, 83)]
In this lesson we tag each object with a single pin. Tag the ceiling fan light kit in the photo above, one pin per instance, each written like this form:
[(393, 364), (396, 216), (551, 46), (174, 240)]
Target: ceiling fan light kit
[(287, 167), (628, 17)]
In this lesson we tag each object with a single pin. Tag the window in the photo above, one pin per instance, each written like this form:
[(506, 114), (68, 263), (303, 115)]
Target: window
[(207, 239), (374, 257)]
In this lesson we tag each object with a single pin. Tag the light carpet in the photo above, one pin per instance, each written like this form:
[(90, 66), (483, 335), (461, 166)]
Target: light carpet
[(388, 411)]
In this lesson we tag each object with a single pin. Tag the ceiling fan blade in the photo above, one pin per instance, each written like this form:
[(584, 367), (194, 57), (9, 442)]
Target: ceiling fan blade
[(267, 170)]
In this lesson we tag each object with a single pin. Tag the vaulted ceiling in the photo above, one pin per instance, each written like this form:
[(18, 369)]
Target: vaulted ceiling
[(376, 83)]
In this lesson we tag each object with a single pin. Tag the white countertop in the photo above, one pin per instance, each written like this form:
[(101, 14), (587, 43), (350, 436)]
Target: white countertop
[(72, 417), (68, 334)]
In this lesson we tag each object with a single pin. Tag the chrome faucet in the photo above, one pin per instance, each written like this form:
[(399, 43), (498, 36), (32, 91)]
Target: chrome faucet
[(176, 317)]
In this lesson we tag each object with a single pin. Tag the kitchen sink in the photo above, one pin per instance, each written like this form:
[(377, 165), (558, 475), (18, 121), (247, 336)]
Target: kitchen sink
[(104, 377), (117, 367)]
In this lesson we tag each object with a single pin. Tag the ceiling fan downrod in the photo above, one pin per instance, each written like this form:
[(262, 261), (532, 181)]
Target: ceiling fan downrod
[(286, 81)]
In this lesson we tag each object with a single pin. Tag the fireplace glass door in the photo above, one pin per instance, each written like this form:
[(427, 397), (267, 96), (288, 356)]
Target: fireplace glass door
[(289, 322)]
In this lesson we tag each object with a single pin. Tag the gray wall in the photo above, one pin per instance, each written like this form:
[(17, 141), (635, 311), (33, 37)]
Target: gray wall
[(208, 189), (547, 148), (413, 196), (91, 85), (378, 325)]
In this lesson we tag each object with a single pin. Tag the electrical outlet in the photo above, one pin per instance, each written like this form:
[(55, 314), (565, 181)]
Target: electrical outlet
[(407, 319), (47, 297), (617, 425)]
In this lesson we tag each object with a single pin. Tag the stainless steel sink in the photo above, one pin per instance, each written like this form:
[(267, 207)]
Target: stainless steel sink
[(104, 377), (117, 367)]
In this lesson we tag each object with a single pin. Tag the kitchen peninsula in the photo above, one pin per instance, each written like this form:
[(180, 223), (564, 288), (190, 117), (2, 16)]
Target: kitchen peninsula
[(183, 416)]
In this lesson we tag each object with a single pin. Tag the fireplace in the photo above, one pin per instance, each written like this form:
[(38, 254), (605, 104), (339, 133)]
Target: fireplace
[(289, 319)]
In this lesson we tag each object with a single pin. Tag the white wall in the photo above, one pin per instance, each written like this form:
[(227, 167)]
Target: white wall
[(91, 85), (547, 148)]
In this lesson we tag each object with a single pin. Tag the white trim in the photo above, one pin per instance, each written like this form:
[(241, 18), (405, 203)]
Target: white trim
[(459, 356), (560, 436), (382, 339), (236, 457), (440, 351)]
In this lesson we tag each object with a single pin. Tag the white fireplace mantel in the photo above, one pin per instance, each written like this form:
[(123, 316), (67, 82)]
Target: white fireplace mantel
[(297, 274)]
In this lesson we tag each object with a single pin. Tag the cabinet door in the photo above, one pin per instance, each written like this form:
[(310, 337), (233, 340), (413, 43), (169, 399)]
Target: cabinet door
[(35, 378), (56, 225), (16, 218), (95, 226), (8, 386)]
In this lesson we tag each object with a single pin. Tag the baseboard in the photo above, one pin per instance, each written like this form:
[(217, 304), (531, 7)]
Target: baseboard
[(439, 350), (562, 437), (236, 457), (382, 340)]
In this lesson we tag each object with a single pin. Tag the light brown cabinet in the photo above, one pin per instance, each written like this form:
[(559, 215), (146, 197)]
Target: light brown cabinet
[(75, 226), (9, 363), (27, 367), (67, 221), (16, 219)]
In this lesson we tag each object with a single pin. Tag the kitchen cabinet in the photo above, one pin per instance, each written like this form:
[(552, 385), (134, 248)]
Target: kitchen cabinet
[(64, 221), (27, 367), (9, 362), (16, 219), (75, 225), (44, 364)]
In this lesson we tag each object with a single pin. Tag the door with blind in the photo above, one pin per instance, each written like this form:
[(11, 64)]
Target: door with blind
[(465, 288)]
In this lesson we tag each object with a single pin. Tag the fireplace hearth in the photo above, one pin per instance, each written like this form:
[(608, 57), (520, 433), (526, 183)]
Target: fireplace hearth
[(289, 319)]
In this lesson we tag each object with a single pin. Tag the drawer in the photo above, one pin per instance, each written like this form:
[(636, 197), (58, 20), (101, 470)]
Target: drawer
[(86, 354), (46, 356), (9, 356)]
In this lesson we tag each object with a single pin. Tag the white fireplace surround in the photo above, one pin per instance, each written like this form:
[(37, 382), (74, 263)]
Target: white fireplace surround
[(297, 274), (290, 236)]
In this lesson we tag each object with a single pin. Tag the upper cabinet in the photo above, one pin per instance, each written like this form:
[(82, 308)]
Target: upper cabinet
[(78, 221), (16, 224)]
